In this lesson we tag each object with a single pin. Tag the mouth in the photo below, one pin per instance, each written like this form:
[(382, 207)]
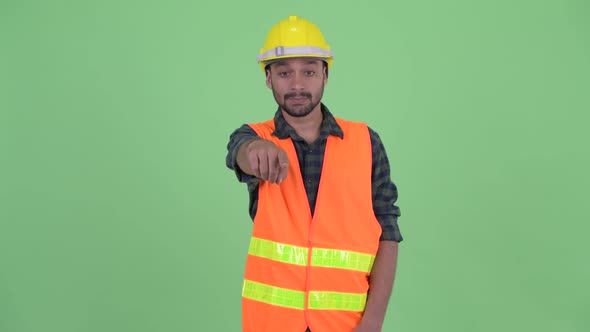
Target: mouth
[(297, 100)]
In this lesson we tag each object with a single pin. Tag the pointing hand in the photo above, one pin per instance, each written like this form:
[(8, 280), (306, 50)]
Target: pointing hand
[(265, 160)]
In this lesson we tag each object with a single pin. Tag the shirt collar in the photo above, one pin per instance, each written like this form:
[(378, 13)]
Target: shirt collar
[(328, 127)]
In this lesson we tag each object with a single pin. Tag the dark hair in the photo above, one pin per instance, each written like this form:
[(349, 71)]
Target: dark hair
[(324, 63)]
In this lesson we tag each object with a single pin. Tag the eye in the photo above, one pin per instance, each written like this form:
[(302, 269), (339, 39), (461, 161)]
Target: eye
[(309, 73), (283, 74)]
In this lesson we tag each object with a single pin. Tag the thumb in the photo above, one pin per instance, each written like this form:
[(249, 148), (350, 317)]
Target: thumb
[(283, 166)]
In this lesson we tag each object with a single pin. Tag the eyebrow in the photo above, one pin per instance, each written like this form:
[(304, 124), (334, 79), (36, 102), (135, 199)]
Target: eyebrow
[(284, 63), (280, 63)]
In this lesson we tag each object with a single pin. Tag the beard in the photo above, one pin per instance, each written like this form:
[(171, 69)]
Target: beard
[(298, 111)]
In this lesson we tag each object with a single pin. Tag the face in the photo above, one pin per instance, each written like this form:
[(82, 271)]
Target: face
[(297, 84)]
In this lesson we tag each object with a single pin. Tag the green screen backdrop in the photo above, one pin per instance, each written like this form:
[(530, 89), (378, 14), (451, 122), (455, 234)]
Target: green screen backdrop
[(117, 212)]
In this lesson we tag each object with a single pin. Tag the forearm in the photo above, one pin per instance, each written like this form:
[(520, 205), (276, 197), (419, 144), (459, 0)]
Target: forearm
[(242, 157), (237, 139), (381, 283)]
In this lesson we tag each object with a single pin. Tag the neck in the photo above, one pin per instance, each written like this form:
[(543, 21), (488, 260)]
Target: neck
[(308, 127)]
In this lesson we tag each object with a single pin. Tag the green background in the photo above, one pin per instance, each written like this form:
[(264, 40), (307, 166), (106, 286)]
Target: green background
[(117, 212)]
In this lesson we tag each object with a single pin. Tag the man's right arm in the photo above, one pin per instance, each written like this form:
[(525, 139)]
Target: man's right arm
[(240, 136), (250, 155)]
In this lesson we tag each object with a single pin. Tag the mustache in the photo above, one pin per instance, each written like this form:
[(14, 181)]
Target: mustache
[(297, 94)]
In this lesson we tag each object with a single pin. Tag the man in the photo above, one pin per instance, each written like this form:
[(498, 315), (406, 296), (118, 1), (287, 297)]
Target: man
[(323, 251)]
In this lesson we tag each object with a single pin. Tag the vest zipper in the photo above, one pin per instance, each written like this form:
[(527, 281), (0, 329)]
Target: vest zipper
[(307, 279)]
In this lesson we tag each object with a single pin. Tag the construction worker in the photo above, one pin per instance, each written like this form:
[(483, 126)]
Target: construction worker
[(323, 251)]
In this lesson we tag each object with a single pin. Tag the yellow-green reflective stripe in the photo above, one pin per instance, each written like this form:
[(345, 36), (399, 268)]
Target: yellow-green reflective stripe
[(278, 251), (286, 253), (296, 299), (342, 259), (274, 295), (337, 301)]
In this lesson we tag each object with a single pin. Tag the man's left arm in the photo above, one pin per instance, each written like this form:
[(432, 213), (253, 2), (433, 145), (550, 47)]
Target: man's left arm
[(383, 272), (381, 284)]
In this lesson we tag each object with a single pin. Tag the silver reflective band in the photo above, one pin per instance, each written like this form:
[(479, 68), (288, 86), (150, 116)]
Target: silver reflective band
[(296, 50)]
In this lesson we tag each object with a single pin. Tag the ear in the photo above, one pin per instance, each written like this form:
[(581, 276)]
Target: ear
[(268, 80)]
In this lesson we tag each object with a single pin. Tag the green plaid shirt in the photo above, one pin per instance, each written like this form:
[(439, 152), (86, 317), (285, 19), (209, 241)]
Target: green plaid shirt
[(311, 157)]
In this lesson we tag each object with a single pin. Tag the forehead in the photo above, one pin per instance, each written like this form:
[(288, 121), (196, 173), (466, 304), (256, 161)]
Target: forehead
[(296, 62)]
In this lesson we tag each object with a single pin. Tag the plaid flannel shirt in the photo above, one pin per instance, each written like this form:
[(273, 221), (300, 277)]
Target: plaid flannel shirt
[(311, 156)]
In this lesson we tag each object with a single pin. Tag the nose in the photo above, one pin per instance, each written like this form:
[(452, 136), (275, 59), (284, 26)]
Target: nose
[(298, 81)]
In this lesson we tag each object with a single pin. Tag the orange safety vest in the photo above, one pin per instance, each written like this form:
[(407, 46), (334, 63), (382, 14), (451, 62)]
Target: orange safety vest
[(304, 270)]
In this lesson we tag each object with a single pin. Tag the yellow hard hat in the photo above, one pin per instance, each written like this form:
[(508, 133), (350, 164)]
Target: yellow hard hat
[(294, 37)]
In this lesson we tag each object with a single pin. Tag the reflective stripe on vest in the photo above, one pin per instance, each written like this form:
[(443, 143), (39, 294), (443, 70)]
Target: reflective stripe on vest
[(296, 299), (321, 257)]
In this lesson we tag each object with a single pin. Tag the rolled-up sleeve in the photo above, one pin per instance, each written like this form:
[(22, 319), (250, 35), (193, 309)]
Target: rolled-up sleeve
[(384, 192)]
